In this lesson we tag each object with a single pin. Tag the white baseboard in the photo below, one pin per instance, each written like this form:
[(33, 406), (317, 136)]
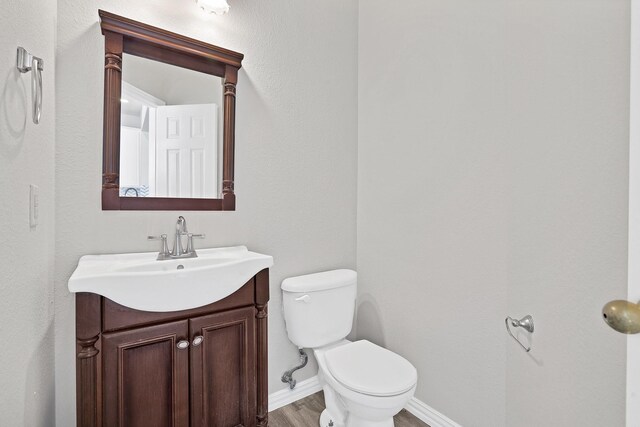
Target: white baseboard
[(303, 389), (425, 413)]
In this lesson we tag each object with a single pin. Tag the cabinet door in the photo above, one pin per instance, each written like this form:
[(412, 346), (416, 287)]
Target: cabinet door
[(223, 373), (146, 377)]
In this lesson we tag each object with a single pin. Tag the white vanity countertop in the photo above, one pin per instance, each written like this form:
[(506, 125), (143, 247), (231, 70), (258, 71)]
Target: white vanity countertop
[(139, 281)]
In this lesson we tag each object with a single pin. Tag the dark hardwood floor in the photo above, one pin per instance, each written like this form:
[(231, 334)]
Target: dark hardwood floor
[(306, 413)]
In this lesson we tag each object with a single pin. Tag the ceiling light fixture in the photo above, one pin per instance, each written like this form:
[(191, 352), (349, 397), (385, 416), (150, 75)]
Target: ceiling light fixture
[(219, 7)]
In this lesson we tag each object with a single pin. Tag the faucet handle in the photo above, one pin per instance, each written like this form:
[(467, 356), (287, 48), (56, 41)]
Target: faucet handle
[(190, 241), (164, 248), (160, 237)]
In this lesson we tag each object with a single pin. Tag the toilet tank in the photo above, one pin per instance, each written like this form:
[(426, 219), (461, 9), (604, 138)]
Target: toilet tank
[(319, 307)]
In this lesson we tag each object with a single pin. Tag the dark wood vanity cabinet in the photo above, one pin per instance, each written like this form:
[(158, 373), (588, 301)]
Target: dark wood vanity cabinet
[(205, 367), (223, 369), (146, 377)]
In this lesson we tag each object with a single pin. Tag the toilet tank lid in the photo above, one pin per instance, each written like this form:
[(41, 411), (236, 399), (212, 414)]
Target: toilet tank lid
[(320, 281)]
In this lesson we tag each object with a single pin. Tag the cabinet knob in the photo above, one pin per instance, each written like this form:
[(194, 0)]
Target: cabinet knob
[(182, 344), (198, 340)]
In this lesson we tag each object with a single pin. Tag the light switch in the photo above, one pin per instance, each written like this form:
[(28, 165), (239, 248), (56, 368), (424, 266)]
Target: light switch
[(34, 208)]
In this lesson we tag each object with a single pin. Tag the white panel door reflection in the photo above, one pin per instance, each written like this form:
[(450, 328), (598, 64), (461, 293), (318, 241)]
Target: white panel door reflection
[(186, 151)]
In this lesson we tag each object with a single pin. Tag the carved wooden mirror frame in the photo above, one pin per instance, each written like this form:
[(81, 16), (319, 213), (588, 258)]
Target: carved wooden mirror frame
[(123, 35)]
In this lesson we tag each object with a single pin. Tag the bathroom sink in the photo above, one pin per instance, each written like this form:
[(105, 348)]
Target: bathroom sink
[(141, 282)]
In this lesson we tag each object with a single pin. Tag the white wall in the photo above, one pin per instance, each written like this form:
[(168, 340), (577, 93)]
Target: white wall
[(432, 198), (492, 181), (295, 157), (568, 89), (26, 255)]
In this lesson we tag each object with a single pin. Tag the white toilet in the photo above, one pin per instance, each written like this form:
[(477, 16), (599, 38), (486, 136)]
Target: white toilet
[(364, 385)]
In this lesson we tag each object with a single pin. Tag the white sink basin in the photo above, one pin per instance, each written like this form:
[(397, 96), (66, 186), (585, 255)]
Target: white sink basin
[(141, 282)]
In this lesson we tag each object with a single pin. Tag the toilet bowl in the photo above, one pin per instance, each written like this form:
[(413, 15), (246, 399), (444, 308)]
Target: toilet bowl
[(364, 385), (367, 385)]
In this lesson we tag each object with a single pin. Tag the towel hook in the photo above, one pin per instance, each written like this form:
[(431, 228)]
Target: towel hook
[(26, 62), (526, 323)]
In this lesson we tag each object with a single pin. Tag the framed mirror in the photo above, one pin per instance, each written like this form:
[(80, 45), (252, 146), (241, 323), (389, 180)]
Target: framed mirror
[(169, 120)]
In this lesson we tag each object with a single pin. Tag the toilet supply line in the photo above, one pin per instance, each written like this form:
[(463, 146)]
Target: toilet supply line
[(287, 377)]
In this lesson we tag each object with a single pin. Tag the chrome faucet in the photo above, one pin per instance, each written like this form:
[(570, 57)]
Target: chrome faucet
[(178, 250), (181, 229)]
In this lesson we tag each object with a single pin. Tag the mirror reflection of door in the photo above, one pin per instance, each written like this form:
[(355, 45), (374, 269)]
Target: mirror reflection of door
[(185, 142), (169, 131)]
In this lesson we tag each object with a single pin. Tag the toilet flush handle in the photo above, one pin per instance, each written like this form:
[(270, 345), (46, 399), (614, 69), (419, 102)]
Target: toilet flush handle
[(304, 298)]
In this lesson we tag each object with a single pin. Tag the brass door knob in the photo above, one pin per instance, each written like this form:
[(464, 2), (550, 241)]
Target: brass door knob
[(623, 316)]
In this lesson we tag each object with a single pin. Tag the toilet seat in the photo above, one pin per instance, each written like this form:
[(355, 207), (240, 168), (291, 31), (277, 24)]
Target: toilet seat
[(366, 368)]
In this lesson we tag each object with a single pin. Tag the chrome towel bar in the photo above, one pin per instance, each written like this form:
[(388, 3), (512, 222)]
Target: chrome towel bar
[(525, 323), (26, 62)]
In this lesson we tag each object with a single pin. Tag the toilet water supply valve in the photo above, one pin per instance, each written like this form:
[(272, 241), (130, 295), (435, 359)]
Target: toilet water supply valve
[(287, 377)]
